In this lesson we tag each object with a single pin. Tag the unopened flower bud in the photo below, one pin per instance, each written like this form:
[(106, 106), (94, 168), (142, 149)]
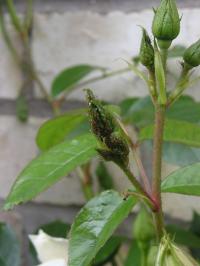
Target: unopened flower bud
[(192, 55), (116, 149), (119, 146), (114, 146), (170, 254), (146, 51), (102, 122), (166, 23)]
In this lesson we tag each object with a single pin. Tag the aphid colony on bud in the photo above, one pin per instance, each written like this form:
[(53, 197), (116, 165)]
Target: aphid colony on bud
[(113, 145)]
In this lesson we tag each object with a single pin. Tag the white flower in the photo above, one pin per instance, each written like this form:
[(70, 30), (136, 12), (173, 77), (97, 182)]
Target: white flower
[(51, 251), (59, 262)]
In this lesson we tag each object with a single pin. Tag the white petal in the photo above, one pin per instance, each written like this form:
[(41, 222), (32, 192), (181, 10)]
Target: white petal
[(54, 263), (49, 248)]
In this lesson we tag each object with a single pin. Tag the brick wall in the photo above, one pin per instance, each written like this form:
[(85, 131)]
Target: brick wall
[(67, 33)]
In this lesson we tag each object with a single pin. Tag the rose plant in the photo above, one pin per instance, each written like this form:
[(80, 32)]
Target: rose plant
[(111, 140)]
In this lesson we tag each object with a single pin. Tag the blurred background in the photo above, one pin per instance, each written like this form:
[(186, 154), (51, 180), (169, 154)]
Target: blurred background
[(64, 33)]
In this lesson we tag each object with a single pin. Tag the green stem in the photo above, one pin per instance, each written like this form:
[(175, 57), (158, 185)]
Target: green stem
[(13, 14), (134, 181), (157, 167), (7, 38), (29, 15), (181, 85), (143, 257), (31, 67), (86, 182), (152, 85), (164, 53), (141, 169), (27, 65), (95, 79)]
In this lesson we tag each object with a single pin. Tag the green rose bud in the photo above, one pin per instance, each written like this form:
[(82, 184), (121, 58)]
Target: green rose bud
[(146, 51), (192, 55), (166, 23), (170, 254), (143, 228)]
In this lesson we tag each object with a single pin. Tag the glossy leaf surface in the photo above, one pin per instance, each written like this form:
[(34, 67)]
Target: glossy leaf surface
[(140, 112), (48, 168), (179, 154), (69, 77), (176, 131), (108, 251), (56, 229), (95, 224), (57, 129), (185, 180)]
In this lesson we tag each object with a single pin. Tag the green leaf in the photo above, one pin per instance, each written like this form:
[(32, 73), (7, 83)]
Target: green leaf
[(185, 109), (185, 180), (56, 229), (80, 129), (176, 131), (195, 228), (176, 51), (104, 178), (108, 251), (176, 154), (179, 154), (2, 263), (195, 224), (56, 130), (126, 105), (69, 77), (10, 252), (134, 255), (140, 112), (95, 224), (183, 237), (50, 167)]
